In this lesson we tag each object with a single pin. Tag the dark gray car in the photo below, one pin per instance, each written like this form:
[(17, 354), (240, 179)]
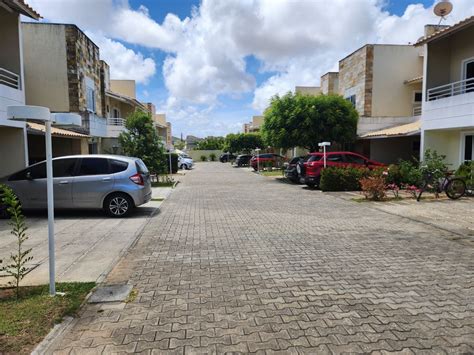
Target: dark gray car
[(114, 183)]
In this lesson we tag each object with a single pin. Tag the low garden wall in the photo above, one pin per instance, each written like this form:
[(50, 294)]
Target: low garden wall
[(196, 154)]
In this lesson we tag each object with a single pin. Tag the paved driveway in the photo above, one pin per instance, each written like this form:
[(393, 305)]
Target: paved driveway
[(237, 263), (88, 244)]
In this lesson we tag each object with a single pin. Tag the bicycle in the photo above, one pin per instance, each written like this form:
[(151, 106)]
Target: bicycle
[(454, 187)]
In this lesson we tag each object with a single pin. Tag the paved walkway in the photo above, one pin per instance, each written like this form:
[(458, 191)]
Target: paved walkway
[(235, 262)]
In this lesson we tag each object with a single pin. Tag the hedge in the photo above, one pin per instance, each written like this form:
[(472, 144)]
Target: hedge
[(342, 179)]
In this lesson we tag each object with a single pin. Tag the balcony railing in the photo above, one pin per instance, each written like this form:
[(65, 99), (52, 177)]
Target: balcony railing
[(9, 79), (417, 109), (452, 89), (116, 122)]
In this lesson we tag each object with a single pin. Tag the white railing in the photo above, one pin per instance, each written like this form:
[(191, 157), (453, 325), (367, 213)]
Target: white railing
[(9, 79), (452, 89), (116, 122), (417, 109)]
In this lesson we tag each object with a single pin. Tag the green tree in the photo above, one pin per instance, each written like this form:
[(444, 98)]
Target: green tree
[(179, 144), (297, 120), (242, 142), (141, 140), (211, 143)]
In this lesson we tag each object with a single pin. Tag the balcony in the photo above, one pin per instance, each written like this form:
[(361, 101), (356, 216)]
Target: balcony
[(115, 126), (417, 109), (449, 106), (452, 89), (11, 93)]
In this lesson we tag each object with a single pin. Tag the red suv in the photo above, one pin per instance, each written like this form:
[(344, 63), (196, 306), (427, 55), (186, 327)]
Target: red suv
[(310, 168), (265, 158)]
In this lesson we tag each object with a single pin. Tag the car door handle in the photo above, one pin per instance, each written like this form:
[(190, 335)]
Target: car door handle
[(107, 179), (63, 182)]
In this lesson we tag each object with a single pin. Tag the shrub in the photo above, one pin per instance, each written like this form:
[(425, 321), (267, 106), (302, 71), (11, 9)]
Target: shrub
[(342, 179), (373, 187), (466, 171), (203, 158), (405, 173), (21, 256), (433, 163), (212, 156)]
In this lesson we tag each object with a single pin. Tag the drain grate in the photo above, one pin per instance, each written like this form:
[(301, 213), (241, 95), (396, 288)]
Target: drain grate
[(110, 293)]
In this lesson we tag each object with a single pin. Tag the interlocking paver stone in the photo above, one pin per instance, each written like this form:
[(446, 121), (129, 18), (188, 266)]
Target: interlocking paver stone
[(236, 262)]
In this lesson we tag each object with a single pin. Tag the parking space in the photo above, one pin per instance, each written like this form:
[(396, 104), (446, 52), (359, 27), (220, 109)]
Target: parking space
[(88, 243)]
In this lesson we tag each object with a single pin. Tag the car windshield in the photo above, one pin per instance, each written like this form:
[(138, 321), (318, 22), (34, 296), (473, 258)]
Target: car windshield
[(314, 158)]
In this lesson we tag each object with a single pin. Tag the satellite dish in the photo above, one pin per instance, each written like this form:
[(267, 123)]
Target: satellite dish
[(443, 8)]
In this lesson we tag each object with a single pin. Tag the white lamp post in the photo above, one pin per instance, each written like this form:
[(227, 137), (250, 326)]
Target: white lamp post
[(324, 145), (44, 116), (258, 163)]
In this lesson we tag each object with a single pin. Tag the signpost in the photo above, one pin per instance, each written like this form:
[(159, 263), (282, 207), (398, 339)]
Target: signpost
[(324, 145)]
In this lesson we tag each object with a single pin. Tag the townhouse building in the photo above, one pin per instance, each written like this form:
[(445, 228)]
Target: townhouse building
[(447, 120), (13, 135), (254, 126), (384, 84), (63, 72)]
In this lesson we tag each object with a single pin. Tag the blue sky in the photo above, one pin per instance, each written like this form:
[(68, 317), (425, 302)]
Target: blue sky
[(212, 65)]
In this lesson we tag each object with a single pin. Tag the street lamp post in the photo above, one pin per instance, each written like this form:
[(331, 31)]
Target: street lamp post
[(43, 115), (324, 145)]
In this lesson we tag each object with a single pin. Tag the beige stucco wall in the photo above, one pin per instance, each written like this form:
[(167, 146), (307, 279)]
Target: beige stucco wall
[(445, 142), (257, 121), (9, 42), (12, 150), (160, 118), (124, 87), (391, 150), (44, 52), (308, 90), (392, 65)]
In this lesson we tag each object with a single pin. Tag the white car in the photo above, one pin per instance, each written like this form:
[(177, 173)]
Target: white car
[(185, 162)]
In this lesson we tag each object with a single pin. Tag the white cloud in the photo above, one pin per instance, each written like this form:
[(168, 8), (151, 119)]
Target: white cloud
[(124, 63), (297, 41)]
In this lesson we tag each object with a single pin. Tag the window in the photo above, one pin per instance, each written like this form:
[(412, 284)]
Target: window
[(64, 167), (93, 166), (417, 96), (468, 147), (314, 158), (115, 113), (468, 74), (116, 166), (355, 159), (335, 158), (90, 94), (352, 100), (141, 167)]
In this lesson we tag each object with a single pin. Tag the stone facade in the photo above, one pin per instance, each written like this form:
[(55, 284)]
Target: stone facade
[(83, 61), (355, 78), (330, 83)]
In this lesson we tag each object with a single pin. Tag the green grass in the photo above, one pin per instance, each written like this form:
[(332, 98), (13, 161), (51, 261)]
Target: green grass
[(24, 323), (272, 173)]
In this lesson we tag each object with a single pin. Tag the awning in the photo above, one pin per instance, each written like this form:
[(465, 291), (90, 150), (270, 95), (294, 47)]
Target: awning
[(55, 132), (416, 80), (21, 7), (444, 31), (128, 100), (405, 130)]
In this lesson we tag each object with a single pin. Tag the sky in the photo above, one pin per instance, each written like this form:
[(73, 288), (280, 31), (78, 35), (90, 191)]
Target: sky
[(211, 65)]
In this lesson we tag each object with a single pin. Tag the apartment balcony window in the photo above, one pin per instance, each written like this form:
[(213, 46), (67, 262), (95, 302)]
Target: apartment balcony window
[(10, 79)]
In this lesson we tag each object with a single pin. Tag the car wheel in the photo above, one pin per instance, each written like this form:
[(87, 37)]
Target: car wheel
[(182, 166), (118, 205), (310, 185)]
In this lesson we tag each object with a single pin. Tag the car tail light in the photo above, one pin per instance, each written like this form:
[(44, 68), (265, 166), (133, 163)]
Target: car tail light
[(137, 179)]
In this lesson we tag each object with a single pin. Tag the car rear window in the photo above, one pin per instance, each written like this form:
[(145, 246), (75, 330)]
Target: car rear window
[(141, 167), (117, 166)]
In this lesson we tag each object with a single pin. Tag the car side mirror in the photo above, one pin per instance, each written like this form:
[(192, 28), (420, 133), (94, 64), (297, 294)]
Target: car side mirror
[(28, 176)]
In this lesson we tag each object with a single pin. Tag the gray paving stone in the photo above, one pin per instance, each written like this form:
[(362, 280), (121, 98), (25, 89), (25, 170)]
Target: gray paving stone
[(237, 263)]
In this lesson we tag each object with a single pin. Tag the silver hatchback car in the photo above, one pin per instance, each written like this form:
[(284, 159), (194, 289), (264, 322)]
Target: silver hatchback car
[(114, 183)]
